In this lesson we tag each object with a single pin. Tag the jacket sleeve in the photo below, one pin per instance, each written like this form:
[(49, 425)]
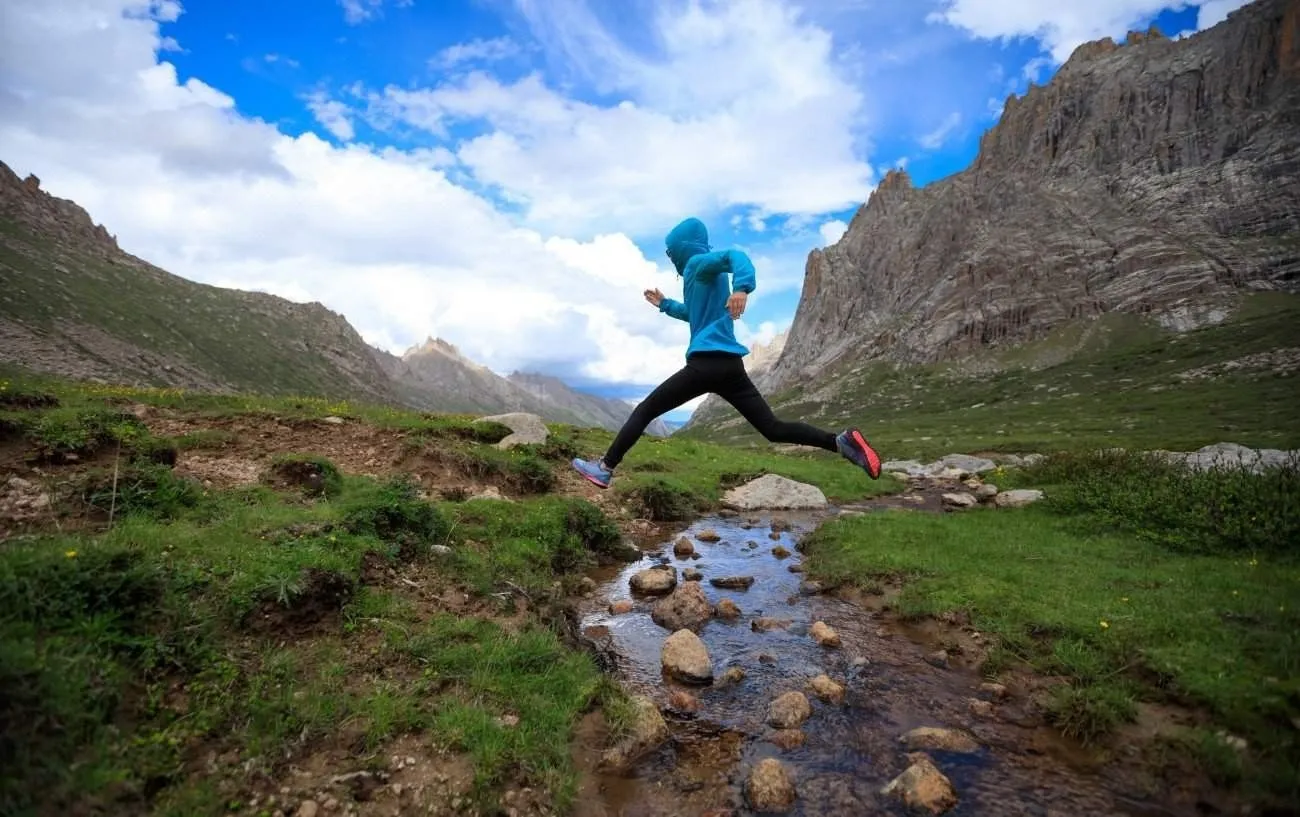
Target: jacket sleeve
[(742, 271), (673, 309)]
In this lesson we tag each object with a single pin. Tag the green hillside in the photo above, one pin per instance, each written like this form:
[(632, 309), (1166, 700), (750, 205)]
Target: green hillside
[(1121, 381)]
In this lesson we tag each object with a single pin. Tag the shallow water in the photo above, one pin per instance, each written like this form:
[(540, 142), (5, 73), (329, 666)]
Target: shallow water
[(851, 749)]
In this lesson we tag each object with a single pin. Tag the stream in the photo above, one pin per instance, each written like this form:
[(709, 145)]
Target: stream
[(893, 682)]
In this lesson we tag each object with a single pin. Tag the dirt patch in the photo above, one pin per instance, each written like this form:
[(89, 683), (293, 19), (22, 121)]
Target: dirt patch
[(219, 471), (315, 604)]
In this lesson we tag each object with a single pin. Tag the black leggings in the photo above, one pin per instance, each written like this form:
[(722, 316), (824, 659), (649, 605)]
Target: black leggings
[(723, 374)]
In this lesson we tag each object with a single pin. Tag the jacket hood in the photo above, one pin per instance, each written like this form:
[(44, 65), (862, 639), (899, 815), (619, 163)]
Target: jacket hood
[(689, 238)]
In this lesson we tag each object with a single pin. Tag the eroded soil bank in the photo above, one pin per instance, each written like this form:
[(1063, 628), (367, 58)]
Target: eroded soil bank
[(887, 677)]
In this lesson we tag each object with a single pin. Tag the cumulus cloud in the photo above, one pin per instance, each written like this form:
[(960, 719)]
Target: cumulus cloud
[(1063, 27), (332, 115), (382, 235), (833, 231), (722, 118)]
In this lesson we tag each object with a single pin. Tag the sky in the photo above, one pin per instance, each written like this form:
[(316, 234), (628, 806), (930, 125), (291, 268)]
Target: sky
[(501, 173)]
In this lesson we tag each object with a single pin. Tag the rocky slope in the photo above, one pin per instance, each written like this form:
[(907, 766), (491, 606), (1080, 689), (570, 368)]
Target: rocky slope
[(1155, 177), (74, 304)]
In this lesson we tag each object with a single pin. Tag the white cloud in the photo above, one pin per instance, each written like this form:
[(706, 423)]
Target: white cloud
[(833, 231), (1213, 12), (382, 235), (332, 115), (479, 50), (935, 138), (1062, 27), (722, 119), (356, 12)]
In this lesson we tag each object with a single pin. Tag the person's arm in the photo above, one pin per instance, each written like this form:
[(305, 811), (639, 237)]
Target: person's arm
[(673, 309), (743, 278)]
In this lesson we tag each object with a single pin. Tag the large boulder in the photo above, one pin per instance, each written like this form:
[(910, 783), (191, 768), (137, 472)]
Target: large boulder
[(527, 429), (774, 492), (686, 659), (686, 609)]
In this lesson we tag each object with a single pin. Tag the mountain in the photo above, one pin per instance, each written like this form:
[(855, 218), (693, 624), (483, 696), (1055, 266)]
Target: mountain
[(1157, 178), (75, 304)]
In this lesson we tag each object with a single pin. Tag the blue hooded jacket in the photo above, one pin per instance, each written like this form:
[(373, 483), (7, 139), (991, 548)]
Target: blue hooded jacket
[(705, 288)]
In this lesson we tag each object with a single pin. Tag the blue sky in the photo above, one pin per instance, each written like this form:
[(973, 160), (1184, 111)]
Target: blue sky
[(500, 173)]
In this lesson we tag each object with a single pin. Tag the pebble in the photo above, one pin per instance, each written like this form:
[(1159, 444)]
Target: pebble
[(308, 808), (824, 634)]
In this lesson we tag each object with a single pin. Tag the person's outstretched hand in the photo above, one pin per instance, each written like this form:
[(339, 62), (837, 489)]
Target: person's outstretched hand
[(654, 296), (736, 304)]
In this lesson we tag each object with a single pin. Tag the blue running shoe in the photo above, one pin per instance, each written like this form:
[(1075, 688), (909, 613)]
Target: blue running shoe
[(595, 472), (858, 451)]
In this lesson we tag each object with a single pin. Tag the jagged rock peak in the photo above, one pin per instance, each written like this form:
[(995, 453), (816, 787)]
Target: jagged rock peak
[(25, 201)]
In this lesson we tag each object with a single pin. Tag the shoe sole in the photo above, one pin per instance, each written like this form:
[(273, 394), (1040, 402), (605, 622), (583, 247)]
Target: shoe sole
[(873, 460), (590, 478)]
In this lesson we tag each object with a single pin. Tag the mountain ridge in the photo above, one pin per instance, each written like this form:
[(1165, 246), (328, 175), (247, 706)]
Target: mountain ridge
[(76, 305)]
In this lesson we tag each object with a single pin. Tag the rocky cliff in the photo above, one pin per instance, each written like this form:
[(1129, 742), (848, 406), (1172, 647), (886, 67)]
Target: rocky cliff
[(1154, 177)]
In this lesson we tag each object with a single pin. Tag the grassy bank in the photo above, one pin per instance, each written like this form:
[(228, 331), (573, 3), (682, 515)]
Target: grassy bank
[(1118, 381), (150, 623), (1134, 581)]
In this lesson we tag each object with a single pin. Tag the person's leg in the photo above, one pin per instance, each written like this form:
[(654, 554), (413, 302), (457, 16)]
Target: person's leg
[(686, 384), (738, 390)]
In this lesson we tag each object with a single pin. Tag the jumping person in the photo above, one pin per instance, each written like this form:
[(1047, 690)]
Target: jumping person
[(713, 358)]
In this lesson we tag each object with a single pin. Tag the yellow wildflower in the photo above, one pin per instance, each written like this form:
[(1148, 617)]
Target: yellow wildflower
[(1105, 625), (71, 554)]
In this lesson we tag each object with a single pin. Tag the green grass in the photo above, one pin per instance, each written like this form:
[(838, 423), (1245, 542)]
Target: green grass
[(1119, 388), (1147, 604), (249, 601)]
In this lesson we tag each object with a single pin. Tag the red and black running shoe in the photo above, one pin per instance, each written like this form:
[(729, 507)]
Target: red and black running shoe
[(858, 451)]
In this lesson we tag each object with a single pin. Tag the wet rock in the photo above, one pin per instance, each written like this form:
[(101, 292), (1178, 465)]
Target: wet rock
[(690, 574), (752, 545), (824, 634), (795, 568), (774, 491), (726, 608), (683, 701), (826, 689), (980, 708), (654, 581), (683, 547), (996, 690), (528, 429), (986, 492), (307, 808), (1018, 498), (922, 786), (732, 582), (733, 675), (587, 585), (770, 787), (766, 624), (620, 607), (774, 536), (766, 658), (709, 535), (961, 500), (646, 732), (789, 711), (780, 524), (964, 463), (933, 738), (780, 552), (686, 659), (788, 739), (686, 609), (812, 588), (938, 658)]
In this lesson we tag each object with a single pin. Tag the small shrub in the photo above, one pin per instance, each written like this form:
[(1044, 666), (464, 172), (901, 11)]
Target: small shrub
[(316, 475), (519, 469), (153, 450), (145, 489), (530, 474), (63, 433), (596, 532), (664, 501), (25, 399), (555, 448), (1090, 712), (393, 512)]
